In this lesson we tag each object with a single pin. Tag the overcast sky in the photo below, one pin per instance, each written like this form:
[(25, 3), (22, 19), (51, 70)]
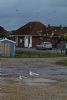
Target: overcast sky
[(16, 13)]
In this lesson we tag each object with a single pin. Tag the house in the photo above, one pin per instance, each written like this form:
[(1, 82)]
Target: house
[(55, 33), (29, 35), (4, 33)]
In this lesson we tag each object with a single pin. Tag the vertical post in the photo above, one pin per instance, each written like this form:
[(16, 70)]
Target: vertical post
[(66, 49), (65, 35)]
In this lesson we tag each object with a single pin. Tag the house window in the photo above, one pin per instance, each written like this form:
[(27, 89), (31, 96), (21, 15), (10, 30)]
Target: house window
[(21, 40), (39, 31)]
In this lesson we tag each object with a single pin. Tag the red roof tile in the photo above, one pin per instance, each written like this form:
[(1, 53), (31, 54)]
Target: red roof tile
[(31, 28)]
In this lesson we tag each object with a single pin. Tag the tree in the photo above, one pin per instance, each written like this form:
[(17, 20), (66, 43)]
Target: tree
[(65, 37)]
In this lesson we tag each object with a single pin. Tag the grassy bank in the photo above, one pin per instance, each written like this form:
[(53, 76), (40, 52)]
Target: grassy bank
[(30, 54), (62, 62)]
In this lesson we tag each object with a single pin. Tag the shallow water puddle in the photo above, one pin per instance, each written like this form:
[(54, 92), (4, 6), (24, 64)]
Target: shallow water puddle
[(2, 94), (37, 81)]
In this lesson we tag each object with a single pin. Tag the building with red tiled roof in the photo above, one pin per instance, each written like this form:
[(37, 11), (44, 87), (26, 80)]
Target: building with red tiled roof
[(30, 34), (55, 33)]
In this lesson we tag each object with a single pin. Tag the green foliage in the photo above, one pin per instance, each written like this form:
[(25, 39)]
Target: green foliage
[(30, 54), (61, 38), (62, 62)]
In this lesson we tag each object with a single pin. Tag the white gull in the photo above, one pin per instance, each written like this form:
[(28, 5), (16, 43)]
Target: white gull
[(33, 74)]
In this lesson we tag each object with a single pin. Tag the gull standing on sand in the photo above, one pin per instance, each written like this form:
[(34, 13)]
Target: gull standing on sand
[(33, 74), (21, 77)]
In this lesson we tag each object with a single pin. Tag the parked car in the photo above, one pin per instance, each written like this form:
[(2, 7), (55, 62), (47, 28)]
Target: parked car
[(44, 46)]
